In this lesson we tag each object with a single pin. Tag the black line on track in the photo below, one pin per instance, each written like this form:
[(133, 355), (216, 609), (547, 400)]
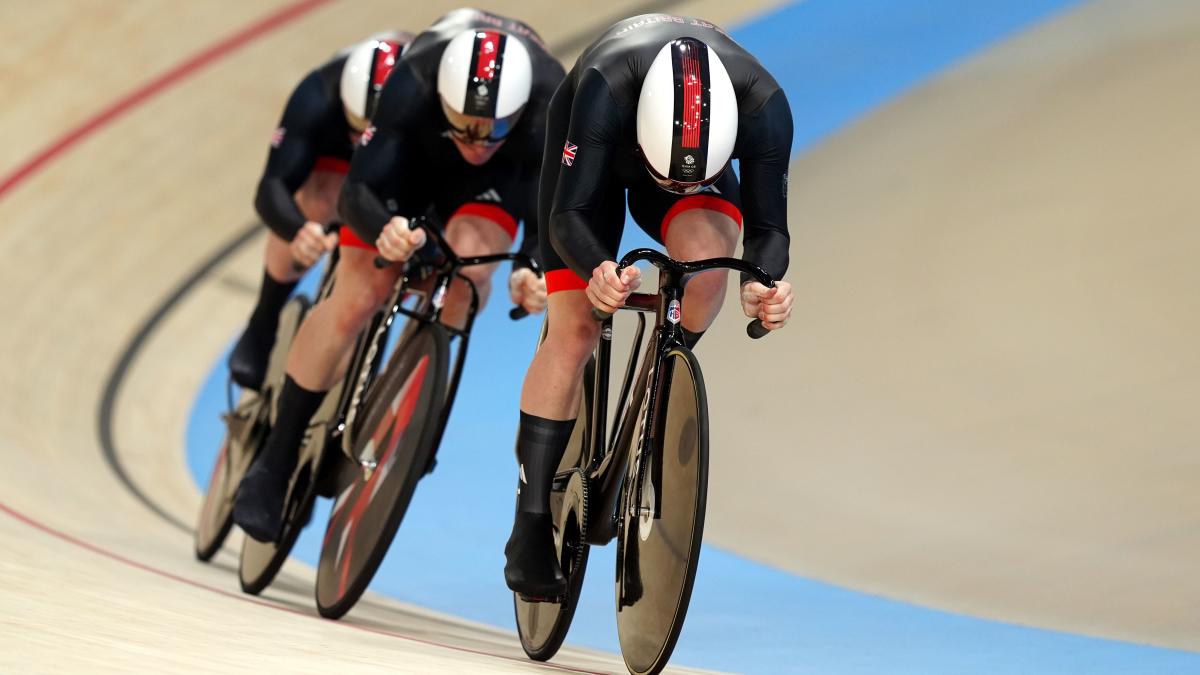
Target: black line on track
[(112, 387)]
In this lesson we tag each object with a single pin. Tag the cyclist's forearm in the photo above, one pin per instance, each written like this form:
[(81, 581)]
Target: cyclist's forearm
[(529, 245), (769, 250), (576, 243), (277, 208), (362, 210)]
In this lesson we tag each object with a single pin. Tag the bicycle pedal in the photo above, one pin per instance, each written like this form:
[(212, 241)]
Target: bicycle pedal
[(557, 599)]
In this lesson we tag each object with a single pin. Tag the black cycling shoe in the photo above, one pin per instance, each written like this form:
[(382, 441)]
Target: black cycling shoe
[(248, 361), (532, 568), (258, 507)]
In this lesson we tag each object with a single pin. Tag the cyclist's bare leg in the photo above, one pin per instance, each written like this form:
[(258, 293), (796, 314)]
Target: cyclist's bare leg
[(697, 234), (551, 387), (471, 235), (549, 405), (278, 260), (317, 199), (327, 334)]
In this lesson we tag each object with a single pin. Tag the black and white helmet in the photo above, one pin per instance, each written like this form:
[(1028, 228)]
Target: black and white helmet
[(367, 67), (687, 116), (484, 79)]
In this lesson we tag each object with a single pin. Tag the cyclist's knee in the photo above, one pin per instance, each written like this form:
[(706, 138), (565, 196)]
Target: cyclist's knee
[(352, 316), (707, 284), (352, 309), (480, 275), (572, 340)]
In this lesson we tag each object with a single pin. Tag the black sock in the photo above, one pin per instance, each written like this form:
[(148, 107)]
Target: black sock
[(689, 338), (271, 298), (540, 447), (296, 408)]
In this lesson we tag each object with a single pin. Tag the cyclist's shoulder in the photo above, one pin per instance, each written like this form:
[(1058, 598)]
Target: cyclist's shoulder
[(316, 96)]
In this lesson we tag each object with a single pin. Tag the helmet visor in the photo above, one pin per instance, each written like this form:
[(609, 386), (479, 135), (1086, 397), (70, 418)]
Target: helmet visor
[(473, 130)]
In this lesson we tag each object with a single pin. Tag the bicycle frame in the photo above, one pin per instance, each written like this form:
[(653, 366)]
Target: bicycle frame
[(606, 456), (440, 273)]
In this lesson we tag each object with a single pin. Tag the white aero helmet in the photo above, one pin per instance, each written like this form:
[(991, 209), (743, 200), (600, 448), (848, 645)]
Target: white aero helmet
[(364, 73), (687, 116), (483, 81)]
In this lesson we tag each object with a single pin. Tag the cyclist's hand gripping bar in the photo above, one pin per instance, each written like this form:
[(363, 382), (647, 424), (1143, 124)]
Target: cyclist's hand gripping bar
[(418, 222), (755, 329), (517, 313), (328, 228)]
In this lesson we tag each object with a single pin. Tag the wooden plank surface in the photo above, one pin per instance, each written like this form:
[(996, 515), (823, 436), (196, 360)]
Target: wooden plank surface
[(987, 401), (93, 243)]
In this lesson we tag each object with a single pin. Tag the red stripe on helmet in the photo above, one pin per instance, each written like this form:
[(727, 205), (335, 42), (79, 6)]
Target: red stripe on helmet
[(485, 63), (386, 53), (693, 100)]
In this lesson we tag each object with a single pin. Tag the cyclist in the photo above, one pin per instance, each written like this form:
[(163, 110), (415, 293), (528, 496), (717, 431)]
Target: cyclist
[(297, 194), (459, 131), (652, 113)]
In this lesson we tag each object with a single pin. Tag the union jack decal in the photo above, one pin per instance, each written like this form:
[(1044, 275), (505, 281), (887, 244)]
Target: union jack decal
[(569, 153), (366, 135)]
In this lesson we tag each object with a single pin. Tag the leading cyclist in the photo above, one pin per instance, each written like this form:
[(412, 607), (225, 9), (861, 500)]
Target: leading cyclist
[(652, 112), (459, 131)]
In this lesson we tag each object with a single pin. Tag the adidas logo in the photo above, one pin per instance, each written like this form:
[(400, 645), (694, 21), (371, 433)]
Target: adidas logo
[(489, 195)]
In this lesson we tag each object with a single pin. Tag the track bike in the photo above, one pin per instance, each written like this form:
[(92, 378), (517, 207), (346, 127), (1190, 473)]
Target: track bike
[(376, 433), (644, 484), (247, 424)]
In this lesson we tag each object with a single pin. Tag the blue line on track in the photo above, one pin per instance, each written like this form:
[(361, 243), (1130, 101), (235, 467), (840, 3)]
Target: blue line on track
[(838, 60)]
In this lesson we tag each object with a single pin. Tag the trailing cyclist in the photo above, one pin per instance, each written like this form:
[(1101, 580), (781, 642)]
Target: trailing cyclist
[(297, 194), (652, 113), (458, 132)]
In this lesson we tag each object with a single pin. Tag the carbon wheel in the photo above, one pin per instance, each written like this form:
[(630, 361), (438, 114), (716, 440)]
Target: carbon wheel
[(246, 430), (542, 626), (402, 416), (658, 556), (261, 561)]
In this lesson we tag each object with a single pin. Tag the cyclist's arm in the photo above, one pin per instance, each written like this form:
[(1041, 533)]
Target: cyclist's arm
[(379, 154), (531, 169), (291, 160), (529, 215), (765, 150), (578, 198)]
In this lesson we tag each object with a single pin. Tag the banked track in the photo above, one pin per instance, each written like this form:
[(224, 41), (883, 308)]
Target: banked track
[(101, 227)]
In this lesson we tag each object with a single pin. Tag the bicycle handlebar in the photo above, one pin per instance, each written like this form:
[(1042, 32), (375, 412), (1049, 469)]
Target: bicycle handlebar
[(755, 329), (454, 262)]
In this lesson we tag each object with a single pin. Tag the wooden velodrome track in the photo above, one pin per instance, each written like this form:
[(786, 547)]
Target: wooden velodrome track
[(986, 403)]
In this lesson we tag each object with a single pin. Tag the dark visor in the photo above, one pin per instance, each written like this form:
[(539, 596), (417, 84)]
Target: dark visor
[(679, 186), (479, 130)]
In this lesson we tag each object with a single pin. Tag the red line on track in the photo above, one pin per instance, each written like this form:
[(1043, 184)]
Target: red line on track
[(97, 122), (138, 96), (75, 541)]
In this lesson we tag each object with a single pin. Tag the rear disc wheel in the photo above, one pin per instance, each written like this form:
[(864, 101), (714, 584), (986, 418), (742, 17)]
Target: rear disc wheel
[(542, 626)]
